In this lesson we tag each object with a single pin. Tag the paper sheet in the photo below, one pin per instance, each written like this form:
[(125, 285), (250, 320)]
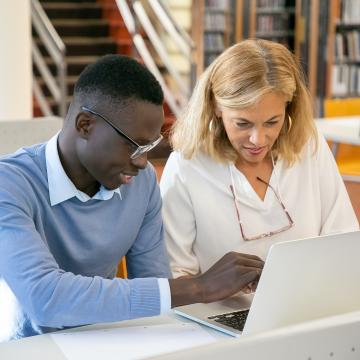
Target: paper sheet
[(136, 342)]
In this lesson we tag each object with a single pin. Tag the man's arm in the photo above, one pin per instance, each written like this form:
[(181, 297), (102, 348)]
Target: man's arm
[(49, 295)]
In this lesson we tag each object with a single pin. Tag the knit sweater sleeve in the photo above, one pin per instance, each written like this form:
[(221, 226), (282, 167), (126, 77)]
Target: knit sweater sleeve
[(49, 295)]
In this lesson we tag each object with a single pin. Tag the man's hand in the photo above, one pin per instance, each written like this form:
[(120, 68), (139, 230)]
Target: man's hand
[(232, 273)]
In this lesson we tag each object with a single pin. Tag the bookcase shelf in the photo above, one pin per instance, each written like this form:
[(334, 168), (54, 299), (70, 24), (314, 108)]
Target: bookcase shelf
[(347, 27), (294, 23), (212, 29), (274, 10), (269, 19), (349, 62), (275, 34)]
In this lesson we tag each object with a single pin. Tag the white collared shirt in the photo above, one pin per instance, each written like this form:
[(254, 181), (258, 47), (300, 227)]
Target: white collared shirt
[(61, 188)]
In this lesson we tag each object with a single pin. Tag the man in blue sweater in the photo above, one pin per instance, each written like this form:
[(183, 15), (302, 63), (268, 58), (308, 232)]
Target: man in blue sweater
[(71, 208)]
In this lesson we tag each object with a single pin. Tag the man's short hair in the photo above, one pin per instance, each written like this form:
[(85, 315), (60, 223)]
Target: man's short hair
[(121, 78)]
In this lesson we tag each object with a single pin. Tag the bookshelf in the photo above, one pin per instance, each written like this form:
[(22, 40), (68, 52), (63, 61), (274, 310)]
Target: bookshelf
[(267, 19), (217, 28), (212, 29), (343, 70), (323, 34), (295, 23), (342, 95), (218, 24)]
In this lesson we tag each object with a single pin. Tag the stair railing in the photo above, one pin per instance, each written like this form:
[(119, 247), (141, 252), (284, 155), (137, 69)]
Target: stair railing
[(57, 51), (183, 43)]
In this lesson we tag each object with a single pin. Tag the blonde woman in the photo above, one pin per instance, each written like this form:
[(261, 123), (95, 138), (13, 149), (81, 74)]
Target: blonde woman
[(249, 168)]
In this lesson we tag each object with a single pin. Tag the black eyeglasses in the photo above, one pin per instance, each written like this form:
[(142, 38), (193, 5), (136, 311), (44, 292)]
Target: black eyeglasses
[(140, 149), (270, 233)]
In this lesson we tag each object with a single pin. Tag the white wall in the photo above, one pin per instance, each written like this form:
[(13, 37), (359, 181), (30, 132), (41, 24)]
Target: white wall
[(15, 60)]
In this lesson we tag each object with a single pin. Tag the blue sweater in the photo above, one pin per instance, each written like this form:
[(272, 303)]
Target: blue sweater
[(60, 261)]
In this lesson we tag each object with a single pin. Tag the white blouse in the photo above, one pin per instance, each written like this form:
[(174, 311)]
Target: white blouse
[(201, 224)]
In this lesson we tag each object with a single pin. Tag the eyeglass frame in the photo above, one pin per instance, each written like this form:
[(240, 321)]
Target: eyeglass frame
[(270, 233), (140, 149)]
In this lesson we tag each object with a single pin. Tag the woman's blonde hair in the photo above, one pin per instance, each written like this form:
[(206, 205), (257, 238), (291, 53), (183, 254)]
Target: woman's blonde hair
[(237, 79)]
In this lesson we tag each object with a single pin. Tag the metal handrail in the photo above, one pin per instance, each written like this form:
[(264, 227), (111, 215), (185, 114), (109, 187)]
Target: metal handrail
[(44, 106), (183, 43), (57, 51), (181, 37), (151, 65), (159, 47)]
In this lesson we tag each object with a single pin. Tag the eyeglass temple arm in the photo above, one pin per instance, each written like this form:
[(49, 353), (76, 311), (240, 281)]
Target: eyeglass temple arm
[(278, 197), (237, 211)]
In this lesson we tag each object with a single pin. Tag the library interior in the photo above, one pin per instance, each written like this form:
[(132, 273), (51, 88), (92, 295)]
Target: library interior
[(199, 165)]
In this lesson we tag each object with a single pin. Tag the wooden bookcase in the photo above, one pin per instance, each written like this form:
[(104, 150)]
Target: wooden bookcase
[(342, 95), (273, 20), (224, 22), (212, 30), (343, 52), (313, 29), (294, 23)]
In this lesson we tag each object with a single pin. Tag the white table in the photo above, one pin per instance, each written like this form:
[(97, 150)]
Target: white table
[(340, 130), (42, 347), (319, 339)]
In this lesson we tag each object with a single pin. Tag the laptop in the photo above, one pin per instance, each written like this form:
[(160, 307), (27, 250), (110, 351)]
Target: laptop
[(302, 280)]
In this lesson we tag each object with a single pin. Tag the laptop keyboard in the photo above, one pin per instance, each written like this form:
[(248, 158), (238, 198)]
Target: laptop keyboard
[(235, 320)]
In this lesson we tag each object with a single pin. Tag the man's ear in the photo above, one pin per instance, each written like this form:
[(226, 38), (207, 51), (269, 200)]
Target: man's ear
[(84, 124)]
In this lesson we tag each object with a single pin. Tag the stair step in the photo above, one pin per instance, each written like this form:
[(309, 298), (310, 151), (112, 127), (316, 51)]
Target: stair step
[(75, 64), (80, 22), (73, 10), (72, 1), (53, 105), (78, 60), (73, 5), (70, 82), (89, 45), (81, 27), (85, 46), (86, 39)]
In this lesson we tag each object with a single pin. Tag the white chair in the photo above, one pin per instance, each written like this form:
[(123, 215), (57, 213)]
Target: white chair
[(15, 134)]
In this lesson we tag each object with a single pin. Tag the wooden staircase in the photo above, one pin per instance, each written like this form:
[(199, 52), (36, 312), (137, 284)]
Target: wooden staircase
[(89, 29), (85, 33)]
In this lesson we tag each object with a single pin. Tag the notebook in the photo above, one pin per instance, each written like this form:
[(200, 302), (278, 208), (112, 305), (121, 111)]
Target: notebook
[(302, 280)]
